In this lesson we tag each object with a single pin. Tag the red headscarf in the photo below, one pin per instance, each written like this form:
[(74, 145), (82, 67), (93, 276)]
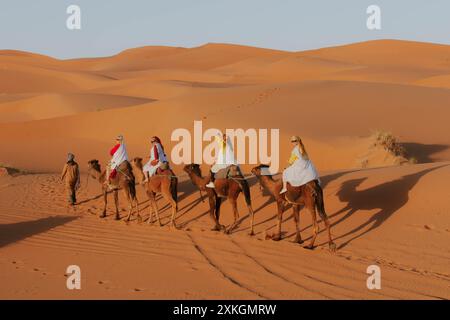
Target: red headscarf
[(158, 140)]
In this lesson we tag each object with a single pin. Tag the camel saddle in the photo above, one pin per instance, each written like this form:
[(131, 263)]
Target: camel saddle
[(228, 172), (164, 169)]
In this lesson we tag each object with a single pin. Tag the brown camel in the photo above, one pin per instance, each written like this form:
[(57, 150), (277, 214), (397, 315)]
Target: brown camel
[(310, 195), (230, 187), (164, 182), (123, 180)]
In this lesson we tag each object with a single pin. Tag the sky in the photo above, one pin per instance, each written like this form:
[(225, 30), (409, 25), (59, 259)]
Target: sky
[(110, 26)]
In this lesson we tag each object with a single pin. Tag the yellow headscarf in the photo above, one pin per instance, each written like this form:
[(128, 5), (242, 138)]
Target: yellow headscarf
[(303, 152)]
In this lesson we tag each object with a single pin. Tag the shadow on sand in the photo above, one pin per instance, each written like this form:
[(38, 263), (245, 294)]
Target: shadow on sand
[(388, 197), (13, 232), (423, 152)]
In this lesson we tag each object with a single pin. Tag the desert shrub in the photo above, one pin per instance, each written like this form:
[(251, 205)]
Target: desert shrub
[(12, 171), (389, 142), (413, 160)]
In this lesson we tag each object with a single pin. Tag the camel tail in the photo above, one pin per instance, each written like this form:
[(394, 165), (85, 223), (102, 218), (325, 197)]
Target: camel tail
[(174, 189), (246, 190), (132, 189), (319, 202)]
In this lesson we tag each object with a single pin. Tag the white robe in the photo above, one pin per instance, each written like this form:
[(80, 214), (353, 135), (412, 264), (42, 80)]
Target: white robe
[(151, 169), (225, 155), (119, 156), (301, 171)]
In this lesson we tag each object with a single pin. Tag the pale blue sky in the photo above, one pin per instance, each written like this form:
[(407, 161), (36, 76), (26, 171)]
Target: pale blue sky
[(110, 26)]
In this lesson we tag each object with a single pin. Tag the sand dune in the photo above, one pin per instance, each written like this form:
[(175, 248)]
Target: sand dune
[(368, 106), (48, 106), (387, 214)]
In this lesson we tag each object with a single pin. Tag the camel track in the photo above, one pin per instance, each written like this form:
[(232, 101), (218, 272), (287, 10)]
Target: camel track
[(221, 271)]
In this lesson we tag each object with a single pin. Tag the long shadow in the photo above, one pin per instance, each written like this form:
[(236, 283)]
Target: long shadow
[(189, 207), (186, 223), (188, 188), (389, 197), (90, 199), (423, 152), (10, 233)]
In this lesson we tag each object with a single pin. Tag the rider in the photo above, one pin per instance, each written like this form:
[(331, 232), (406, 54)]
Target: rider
[(119, 155), (225, 157), (157, 158), (301, 170)]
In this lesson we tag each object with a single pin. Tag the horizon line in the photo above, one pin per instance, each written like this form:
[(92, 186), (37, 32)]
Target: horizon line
[(226, 44)]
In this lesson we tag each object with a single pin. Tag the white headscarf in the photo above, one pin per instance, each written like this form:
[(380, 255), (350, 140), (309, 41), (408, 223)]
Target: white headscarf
[(120, 155)]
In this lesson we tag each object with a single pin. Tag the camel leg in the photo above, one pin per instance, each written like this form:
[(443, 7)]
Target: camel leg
[(217, 209), (212, 214), (136, 204), (130, 204), (155, 207), (201, 195), (116, 203), (168, 196), (105, 201), (298, 237), (331, 244), (218, 201), (312, 210), (150, 200), (252, 218), (150, 216), (280, 208), (236, 214)]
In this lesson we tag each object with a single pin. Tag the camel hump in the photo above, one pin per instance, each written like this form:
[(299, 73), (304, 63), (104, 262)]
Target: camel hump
[(165, 172), (126, 169)]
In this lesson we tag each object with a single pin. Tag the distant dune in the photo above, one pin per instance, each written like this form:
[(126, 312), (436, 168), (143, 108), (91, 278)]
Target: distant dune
[(326, 95)]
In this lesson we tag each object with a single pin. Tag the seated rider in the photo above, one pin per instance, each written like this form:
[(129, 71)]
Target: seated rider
[(301, 170), (225, 157), (156, 160), (119, 155)]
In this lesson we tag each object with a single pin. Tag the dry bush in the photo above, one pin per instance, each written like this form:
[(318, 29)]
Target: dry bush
[(389, 142)]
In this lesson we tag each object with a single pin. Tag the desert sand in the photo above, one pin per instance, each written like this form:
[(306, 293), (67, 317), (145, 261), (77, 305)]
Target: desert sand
[(394, 216)]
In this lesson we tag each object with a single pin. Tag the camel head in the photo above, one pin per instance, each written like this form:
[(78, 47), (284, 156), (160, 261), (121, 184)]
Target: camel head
[(137, 162), (93, 164), (257, 171), (192, 168)]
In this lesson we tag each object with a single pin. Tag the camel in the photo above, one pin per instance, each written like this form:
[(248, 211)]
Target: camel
[(123, 180), (230, 188), (164, 182), (310, 195)]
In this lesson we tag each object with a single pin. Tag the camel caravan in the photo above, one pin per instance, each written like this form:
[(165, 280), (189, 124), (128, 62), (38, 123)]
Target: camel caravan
[(299, 186)]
